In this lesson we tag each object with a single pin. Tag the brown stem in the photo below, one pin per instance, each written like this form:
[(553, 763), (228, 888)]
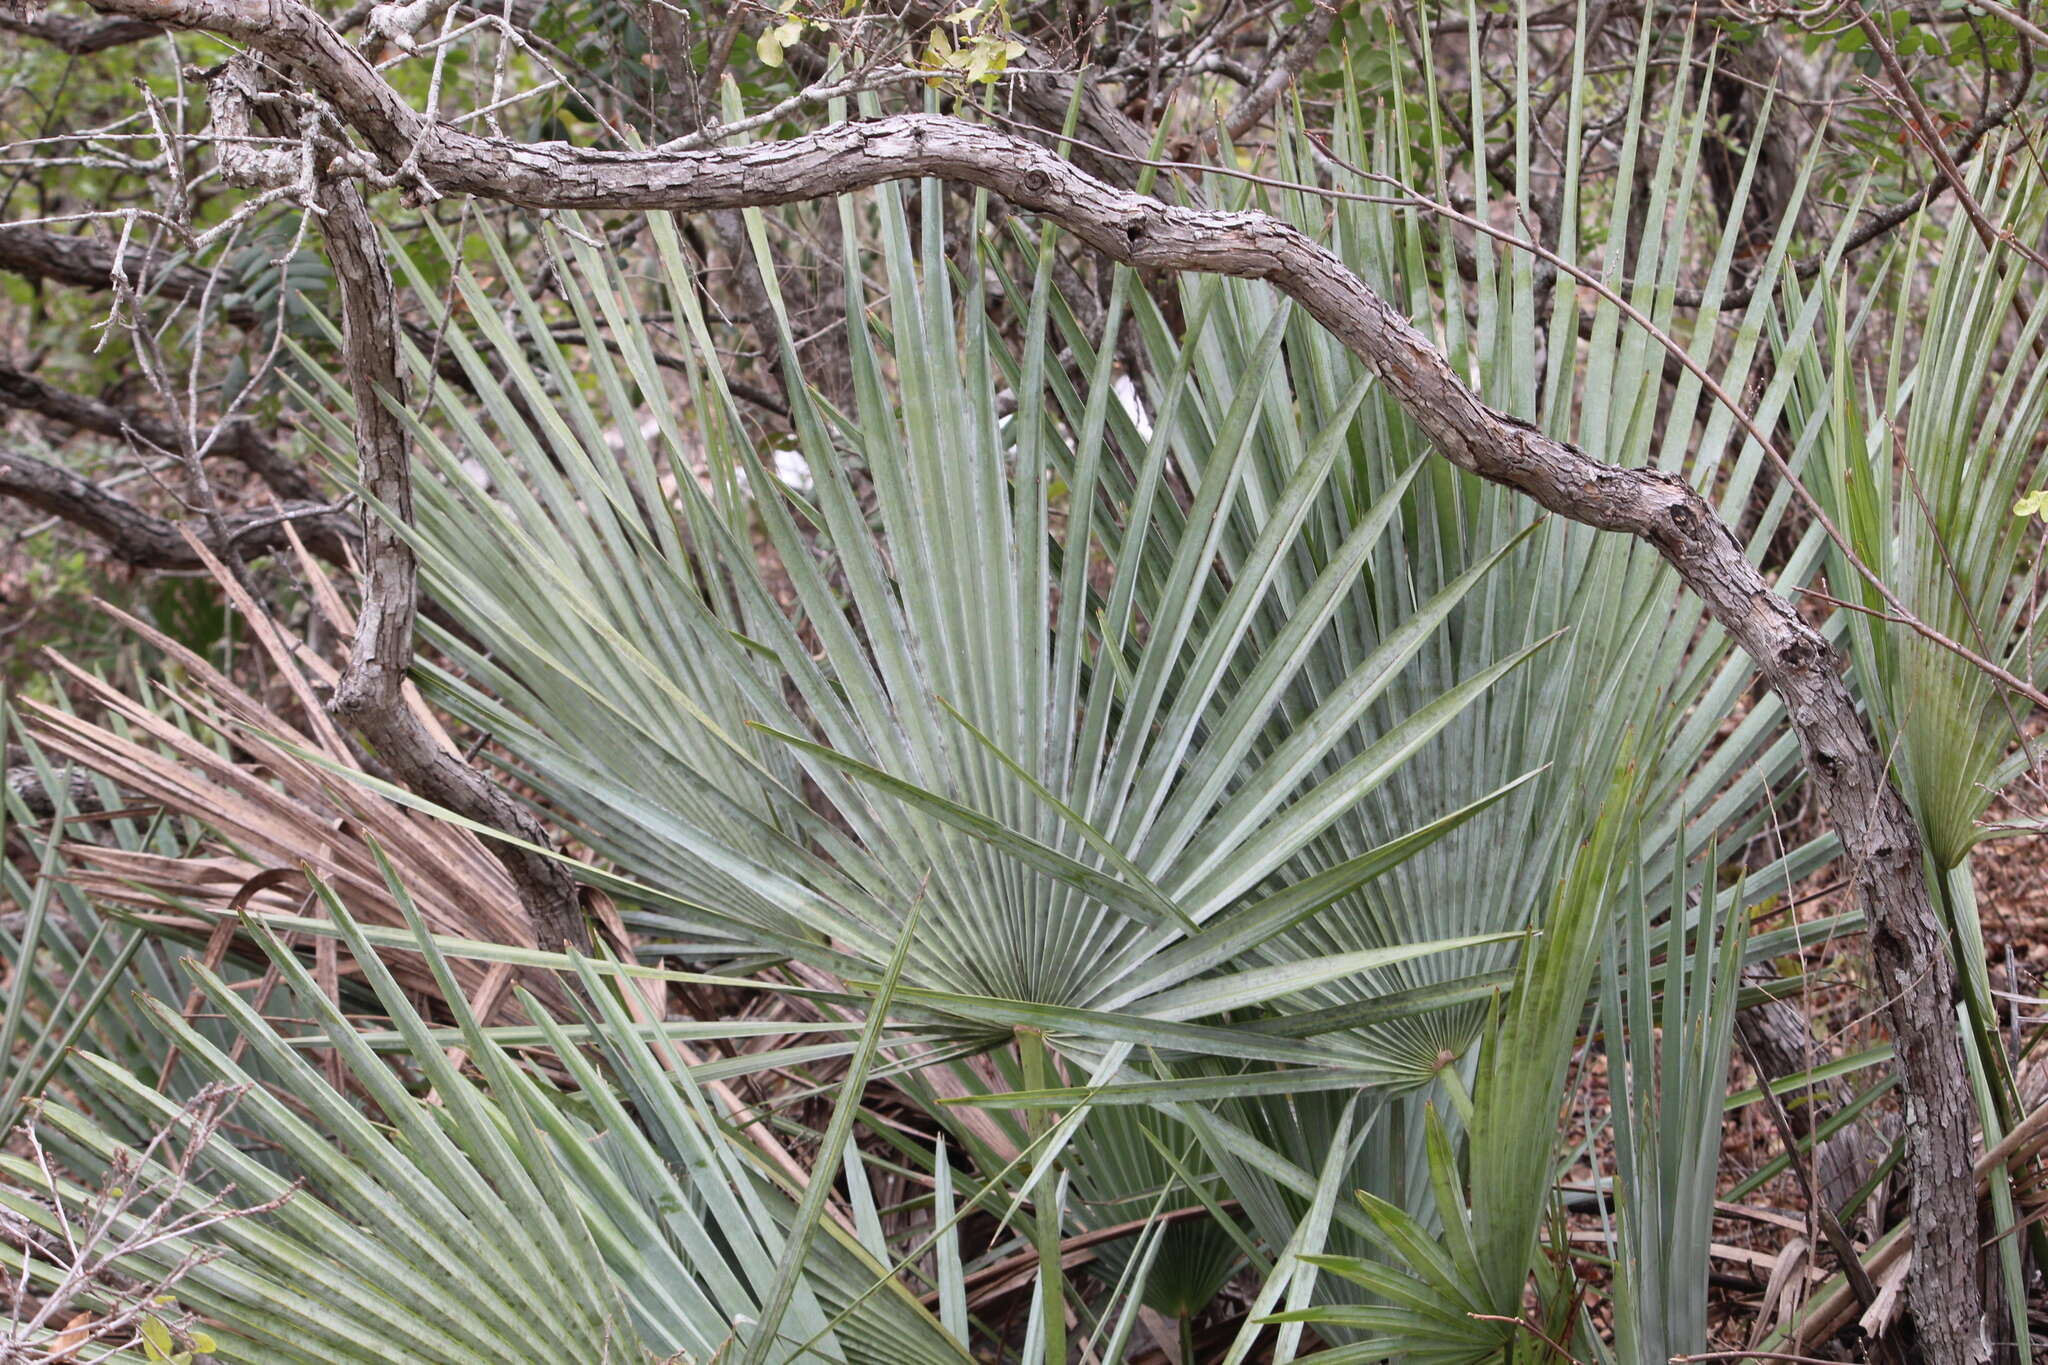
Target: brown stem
[(1920, 123), (145, 540), (372, 693), (239, 440), (83, 262), (1882, 222)]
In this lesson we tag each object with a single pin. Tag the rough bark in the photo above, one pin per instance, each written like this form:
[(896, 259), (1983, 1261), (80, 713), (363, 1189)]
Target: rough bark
[(86, 263), (371, 694), (80, 37), (239, 440), (1846, 767), (142, 538)]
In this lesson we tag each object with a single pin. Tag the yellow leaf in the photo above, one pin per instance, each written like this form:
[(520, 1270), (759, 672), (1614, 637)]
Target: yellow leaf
[(768, 47), (157, 1336)]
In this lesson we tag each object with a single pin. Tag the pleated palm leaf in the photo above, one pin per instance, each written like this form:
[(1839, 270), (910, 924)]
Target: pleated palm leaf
[(1926, 474), (1283, 597), (501, 1216), (1634, 659), (1091, 806), (1455, 1291), (74, 961), (68, 964), (1923, 478), (1668, 1078), (1072, 793), (262, 780)]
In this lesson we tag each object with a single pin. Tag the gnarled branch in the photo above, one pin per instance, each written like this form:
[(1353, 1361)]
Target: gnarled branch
[(371, 694), (239, 440), (144, 539)]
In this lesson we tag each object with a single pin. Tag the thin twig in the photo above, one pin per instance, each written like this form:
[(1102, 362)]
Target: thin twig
[(1531, 1328), (1816, 1207)]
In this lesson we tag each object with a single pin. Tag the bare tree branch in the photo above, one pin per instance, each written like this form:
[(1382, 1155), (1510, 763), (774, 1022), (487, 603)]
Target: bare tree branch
[(239, 439), (84, 1241), (1295, 53), (80, 261), (1044, 90), (80, 37), (140, 537), (371, 693)]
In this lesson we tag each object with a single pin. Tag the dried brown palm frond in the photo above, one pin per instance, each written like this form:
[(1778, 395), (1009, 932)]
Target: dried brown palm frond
[(271, 797)]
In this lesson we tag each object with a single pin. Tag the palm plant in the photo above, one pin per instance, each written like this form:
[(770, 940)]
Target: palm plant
[(1205, 765), (67, 958), (1926, 480), (501, 1217), (1668, 1068), (1096, 826), (951, 754), (74, 961), (1632, 660), (266, 781), (1456, 1291), (1185, 793)]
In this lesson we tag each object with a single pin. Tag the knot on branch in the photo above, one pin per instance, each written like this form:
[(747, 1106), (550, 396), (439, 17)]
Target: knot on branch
[(233, 89), (361, 694), (397, 23), (1798, 655), (1684, 518)]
